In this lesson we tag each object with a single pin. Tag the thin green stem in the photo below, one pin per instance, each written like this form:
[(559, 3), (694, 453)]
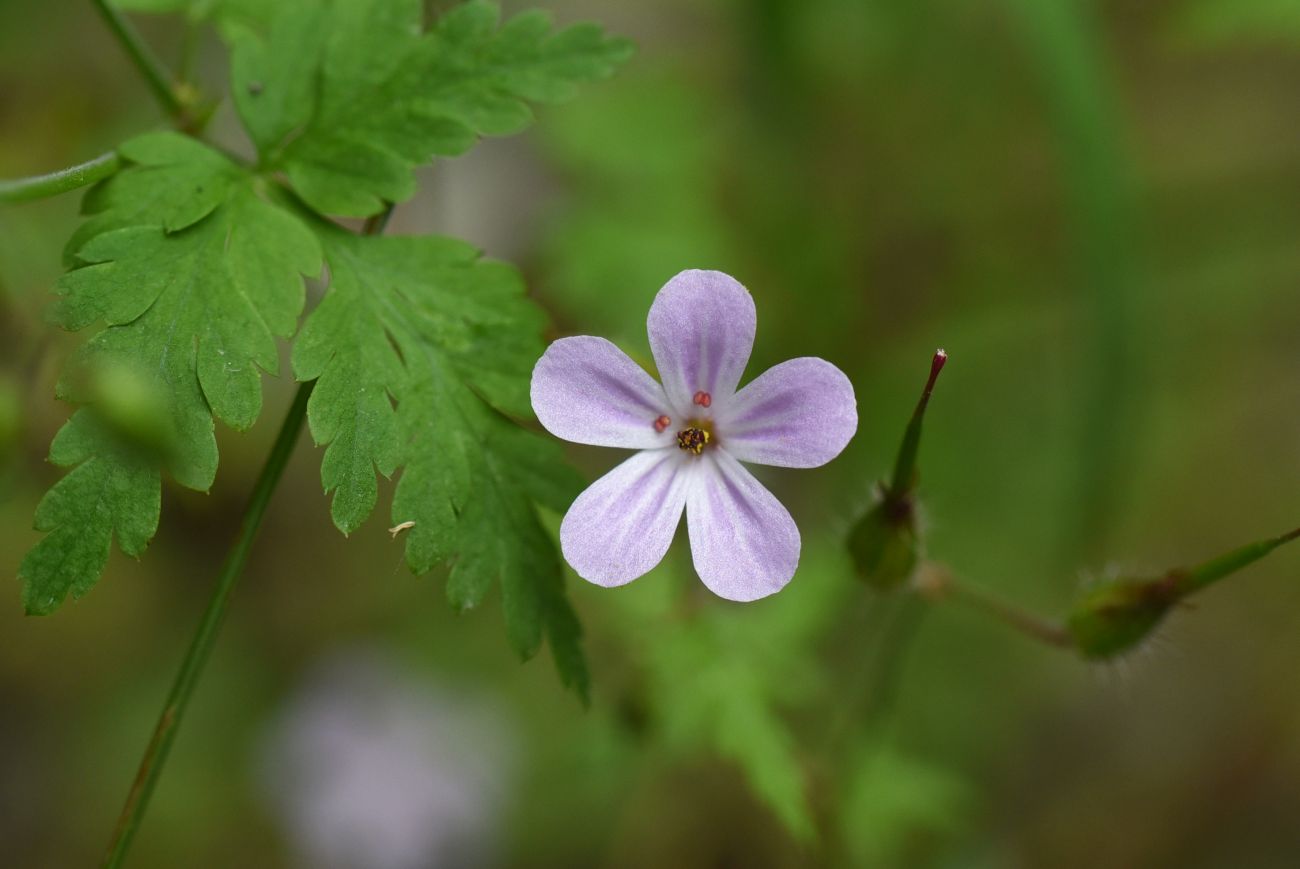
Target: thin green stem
[(870, 689), (155, 755), (155, 74), (1069, 50), (42, 186), (189, 52), (938, 583)]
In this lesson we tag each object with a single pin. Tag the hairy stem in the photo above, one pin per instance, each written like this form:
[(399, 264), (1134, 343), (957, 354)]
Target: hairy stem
[(155, 74), (937, 583), (42, 186), (155, 755)]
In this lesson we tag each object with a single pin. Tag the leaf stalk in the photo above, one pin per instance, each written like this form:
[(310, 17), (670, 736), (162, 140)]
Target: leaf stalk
[(154, 72), (62, 181)]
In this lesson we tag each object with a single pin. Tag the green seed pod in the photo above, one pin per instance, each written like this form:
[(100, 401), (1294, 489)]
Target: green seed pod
[(1116, 616), (884, 544)]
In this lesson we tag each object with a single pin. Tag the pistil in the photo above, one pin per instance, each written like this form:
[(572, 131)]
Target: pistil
[(693, 440)]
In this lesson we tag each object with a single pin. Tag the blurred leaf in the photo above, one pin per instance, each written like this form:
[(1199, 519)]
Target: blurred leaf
[(1098, 177), (349, 100), (1210, 21), (452, 340), (724, 702), (194, 274), (129, 403), (892, 801), (719, 679), (11, 417), (644, 157)]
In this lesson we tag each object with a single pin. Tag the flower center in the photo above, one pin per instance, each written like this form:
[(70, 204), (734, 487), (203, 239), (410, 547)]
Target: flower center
[(693, 440)]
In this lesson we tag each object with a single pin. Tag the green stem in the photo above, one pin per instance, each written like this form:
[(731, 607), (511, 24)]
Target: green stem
[(155, 755), (189, 52), (1097, 173), (938, 583), (41, 186), (155, 74)]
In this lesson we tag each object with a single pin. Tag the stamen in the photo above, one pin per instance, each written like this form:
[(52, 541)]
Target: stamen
[(693, 440), (703, 399), (662, 423)]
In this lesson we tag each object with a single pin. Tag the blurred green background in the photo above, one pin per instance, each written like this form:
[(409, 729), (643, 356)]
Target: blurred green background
[(1094, 207)]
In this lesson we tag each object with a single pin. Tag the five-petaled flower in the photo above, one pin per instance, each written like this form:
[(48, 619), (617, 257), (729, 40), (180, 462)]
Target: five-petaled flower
[(692, 432)]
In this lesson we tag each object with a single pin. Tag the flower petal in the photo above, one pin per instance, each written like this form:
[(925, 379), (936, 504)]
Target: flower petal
[(588, 391), (743, 541), (701, 328), (799, 414), (621, 526)]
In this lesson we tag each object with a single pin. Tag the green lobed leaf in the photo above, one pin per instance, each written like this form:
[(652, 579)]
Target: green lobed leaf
[(112, 491), (420, 349), (348, 98), (174, 183), (194, 274)]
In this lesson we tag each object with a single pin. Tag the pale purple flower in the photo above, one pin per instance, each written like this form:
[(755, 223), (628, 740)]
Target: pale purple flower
[(692, 432), (370, 766)]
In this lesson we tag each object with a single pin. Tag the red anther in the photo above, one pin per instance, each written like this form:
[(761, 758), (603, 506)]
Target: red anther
[(703, 399), (662, 423)]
